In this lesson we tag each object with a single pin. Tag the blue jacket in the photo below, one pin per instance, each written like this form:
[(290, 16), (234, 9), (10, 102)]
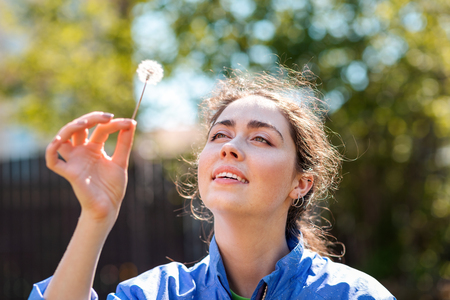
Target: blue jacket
[(302, 274)]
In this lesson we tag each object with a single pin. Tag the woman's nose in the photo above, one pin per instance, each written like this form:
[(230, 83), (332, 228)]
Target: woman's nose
[(230, 150)]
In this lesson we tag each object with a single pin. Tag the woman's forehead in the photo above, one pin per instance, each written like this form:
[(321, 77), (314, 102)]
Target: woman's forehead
[(251, 106)]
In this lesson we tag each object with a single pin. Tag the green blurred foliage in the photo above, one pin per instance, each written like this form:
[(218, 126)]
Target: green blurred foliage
[(383, 68), (72, 57)]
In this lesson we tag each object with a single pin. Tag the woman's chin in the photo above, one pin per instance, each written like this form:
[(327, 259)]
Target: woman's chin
[(226, 206)]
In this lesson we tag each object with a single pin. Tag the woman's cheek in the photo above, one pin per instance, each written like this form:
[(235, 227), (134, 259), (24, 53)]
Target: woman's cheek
[(276, 171), (202, 173)]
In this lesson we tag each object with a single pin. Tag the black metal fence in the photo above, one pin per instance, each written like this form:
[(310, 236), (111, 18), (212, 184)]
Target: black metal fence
[(39, 212)]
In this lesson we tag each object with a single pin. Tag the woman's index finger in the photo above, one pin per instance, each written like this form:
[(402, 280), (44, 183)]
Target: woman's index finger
[(84, 122)]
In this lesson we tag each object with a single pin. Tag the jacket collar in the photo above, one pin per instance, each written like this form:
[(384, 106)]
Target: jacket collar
[(217, 266), (290, 267)]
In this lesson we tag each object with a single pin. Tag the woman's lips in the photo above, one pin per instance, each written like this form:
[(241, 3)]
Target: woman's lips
[(232, 176), (227, 174)]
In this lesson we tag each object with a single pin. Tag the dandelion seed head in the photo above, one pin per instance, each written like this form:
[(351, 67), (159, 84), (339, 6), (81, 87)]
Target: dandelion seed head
[(150, 71)]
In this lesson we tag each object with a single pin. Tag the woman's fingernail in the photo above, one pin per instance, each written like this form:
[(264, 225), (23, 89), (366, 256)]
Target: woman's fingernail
[(107, 115), (82, 122), (56, 139), (129, 121)]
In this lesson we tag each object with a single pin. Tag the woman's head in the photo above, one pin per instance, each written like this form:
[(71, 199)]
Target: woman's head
[(293, 97), (247, 166)]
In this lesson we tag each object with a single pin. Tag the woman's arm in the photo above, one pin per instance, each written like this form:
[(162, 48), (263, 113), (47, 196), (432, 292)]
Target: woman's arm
[(99, 182)]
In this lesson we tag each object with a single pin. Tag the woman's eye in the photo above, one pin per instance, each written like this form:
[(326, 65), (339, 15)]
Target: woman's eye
[(262, 140), (218, 136)]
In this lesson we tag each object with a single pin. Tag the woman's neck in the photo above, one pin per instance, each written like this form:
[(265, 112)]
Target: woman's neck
[(249, 250)]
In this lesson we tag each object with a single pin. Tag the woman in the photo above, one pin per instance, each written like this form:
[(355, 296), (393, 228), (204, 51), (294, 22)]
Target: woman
[(265, 164)]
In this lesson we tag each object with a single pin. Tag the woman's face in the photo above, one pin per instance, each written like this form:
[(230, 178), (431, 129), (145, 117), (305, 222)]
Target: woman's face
[(248, 164)]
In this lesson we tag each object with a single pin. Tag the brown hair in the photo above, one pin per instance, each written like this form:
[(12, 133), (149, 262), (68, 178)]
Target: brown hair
[(295, 97)]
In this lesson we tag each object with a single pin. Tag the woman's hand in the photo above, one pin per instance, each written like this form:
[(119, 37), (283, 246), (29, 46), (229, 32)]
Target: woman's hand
[(99, 181)]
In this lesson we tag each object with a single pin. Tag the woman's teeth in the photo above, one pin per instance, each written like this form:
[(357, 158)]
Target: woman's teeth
[(231, 175)]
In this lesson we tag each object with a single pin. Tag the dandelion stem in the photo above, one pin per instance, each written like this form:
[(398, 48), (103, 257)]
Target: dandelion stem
[(139, 103)]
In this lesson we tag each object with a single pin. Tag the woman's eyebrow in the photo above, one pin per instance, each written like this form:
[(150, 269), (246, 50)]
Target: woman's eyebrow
[(227, 123), (255, 124)]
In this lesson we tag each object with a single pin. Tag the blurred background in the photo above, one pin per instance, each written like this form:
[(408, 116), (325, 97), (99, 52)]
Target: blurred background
[(383, 67)]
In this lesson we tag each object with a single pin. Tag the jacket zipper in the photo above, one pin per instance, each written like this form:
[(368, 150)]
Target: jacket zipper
[(264, 295)]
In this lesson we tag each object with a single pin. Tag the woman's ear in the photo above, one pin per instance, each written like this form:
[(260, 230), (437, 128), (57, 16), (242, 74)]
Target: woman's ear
[(303, 184)]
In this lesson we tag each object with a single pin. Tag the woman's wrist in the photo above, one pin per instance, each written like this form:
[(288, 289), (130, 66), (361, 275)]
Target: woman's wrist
[(93, 221)]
